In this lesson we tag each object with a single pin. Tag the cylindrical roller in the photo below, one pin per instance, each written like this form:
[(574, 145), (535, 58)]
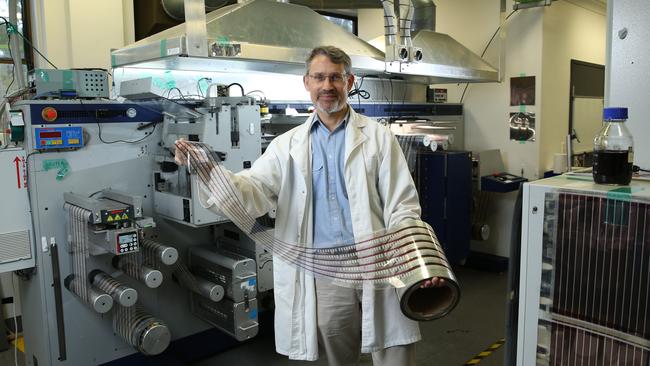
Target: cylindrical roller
[(429, 303), (125, 296), (152, 278), (209, 289), (141, 330), (100, 302), (199, 285), (442, 142), (160, 252)]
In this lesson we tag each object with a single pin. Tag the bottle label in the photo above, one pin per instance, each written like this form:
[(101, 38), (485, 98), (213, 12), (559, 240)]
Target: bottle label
[(630, 155)]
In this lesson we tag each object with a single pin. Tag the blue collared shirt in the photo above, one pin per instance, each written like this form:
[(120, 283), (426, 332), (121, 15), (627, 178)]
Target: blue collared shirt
[(332, 219)]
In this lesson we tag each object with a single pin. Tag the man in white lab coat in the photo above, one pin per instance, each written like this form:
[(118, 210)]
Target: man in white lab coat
[(338, 176)]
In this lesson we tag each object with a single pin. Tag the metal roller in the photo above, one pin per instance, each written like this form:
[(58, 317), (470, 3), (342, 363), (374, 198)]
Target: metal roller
[(152, 278), (141, 330), (430, 303), (125, 296), (100, 302), (159, 252), (209, 289), (199, 285)]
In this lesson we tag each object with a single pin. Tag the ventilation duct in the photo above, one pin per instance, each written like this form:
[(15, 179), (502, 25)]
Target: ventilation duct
[(270, 36)]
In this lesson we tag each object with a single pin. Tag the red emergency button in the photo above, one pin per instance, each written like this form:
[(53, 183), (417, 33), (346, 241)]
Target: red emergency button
[(49, 114)]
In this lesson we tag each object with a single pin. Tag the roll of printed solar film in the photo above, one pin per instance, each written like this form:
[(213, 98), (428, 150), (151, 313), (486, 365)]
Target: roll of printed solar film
[(155, 252), (403, 257), (147, 334)]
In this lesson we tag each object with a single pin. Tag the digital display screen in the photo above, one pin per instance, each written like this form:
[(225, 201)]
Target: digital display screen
[(126, 238), (50, 134)]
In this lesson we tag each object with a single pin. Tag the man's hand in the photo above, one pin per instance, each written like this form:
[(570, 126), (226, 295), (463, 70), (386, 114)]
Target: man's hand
[(179, 157), (433, 282)]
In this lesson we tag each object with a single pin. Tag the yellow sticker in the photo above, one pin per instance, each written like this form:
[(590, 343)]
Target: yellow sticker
[(125, 217), (110, 218)]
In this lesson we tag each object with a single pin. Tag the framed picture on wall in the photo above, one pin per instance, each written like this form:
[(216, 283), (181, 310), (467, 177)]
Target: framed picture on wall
[(522, 126), (522, 90)]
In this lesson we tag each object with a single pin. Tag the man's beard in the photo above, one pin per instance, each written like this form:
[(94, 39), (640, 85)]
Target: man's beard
[(336, 106)]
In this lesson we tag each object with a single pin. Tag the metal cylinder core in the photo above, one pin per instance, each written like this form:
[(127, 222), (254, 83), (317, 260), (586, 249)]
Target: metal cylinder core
[(127, 297), (429, 303), (209, 289), (162, 253), (99, 301), (151, 277), (154, 339), (168, 255)]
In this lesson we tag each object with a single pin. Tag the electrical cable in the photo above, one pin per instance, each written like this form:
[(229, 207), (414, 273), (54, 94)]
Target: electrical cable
[(240, 87), (13, 287), (15, 29), (198, 85), (99, 131), (486, 48), (360, 93)]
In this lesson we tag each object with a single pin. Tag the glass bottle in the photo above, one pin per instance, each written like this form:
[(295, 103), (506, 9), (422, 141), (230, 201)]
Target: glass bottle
[(613, 149)]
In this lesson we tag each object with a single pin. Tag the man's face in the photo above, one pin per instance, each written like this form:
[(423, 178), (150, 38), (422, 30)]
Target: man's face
[(327, 84)]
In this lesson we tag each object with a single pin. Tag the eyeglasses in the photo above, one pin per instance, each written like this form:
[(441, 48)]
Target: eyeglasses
[(335, 78)]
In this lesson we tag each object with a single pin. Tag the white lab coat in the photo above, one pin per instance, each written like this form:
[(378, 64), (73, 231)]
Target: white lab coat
[(381, 194)]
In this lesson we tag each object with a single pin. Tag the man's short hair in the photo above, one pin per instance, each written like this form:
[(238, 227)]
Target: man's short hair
[(336, 55)]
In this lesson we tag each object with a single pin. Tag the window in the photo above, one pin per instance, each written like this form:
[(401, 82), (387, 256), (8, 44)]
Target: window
[(6, 62), (347, 22)]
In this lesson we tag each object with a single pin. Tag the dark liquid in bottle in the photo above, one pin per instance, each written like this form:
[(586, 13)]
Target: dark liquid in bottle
[(612, 167)]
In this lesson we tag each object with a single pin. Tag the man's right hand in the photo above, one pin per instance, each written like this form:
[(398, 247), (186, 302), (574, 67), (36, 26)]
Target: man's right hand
[(180, 158)]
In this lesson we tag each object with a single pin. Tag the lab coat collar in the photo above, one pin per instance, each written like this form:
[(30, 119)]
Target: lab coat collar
[(301, 146)]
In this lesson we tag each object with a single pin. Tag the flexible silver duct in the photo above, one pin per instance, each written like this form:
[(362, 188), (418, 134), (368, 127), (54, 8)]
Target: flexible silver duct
[(406, 10)]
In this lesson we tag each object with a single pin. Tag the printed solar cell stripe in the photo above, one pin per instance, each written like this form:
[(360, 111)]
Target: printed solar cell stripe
[(573, 346), (601, 269)]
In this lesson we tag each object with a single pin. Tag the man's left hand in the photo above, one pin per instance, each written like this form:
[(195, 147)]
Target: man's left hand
[(433, 282)]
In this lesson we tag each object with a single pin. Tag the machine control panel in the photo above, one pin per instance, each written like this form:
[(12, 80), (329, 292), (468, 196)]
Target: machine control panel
[(70, 137), (127, 242)]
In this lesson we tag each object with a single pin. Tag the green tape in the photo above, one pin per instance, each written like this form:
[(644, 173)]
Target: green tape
[(222, 40), (113, 61), (163, 48), (68, 83), (43, 75), (60, 164), (623, 193), (522, 108), (617, 211)]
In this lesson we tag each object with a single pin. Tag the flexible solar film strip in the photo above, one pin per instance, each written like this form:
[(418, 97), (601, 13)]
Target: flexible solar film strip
[(411, 142), (402, 258), (78, 246), (595, 281)]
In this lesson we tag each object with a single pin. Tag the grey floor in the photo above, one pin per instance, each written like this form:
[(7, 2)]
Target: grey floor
[(477, 322)]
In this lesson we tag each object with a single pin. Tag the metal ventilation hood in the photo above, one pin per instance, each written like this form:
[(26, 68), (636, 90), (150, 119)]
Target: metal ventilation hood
[(270, 36)]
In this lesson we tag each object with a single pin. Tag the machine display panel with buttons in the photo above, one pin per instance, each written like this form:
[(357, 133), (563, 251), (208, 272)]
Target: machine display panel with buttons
[(70, 137), (127, 242)]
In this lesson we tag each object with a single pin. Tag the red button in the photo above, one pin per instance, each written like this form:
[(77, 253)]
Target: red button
[(49, 114)]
